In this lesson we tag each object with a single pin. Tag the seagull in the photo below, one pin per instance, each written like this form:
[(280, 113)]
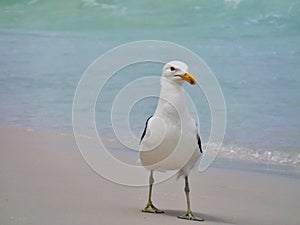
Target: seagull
[(170, 140)]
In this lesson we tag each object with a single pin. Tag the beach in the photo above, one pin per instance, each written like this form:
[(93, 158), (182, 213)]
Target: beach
[(249, 49), (44, 180)]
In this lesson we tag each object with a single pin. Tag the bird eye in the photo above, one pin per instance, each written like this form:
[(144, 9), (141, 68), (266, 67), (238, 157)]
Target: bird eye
[(172, 68)]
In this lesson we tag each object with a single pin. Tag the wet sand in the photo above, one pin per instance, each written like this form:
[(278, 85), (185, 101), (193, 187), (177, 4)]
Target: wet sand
[(44, 180)]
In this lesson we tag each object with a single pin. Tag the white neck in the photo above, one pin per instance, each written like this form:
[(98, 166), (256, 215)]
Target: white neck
[(172, 100)]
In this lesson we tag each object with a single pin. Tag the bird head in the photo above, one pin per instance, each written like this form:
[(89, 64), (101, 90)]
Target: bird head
[(177, 71)]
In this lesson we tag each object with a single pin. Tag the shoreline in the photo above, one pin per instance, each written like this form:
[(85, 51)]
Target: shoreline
[(221, 161), (46, 181)]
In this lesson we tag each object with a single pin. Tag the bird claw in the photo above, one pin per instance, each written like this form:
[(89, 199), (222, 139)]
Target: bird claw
[(190, 216), (150, 208)]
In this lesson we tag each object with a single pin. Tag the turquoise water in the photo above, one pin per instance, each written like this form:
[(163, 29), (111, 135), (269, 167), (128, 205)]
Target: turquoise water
[(252, 46)]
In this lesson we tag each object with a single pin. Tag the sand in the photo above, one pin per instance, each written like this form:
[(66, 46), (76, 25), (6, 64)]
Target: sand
[(44, 180)]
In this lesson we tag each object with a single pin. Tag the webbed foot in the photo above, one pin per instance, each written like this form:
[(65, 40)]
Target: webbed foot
[(190, 216), (150, 208)]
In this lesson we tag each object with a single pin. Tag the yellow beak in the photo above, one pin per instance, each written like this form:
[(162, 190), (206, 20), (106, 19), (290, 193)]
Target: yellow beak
[(188, 77)]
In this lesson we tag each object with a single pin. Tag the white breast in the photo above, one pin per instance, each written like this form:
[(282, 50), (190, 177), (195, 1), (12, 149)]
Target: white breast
[(170, 142)]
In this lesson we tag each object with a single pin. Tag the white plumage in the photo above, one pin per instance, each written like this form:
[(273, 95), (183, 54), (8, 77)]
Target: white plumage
[(170, 140)]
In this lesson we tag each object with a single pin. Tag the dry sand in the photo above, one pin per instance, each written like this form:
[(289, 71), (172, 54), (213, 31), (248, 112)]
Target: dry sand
[(44, 180)]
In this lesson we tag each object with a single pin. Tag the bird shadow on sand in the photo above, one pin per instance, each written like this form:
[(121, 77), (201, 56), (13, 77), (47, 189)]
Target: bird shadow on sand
[(206, 217)]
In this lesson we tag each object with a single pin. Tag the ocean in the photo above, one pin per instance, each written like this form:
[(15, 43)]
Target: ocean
[(253, 48)]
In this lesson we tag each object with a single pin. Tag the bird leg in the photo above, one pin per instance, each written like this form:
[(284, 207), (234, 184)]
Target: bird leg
[(189, 215), (150, 208)]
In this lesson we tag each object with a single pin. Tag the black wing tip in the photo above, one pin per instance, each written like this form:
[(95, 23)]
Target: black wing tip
[(199, 142), (145, 129)]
